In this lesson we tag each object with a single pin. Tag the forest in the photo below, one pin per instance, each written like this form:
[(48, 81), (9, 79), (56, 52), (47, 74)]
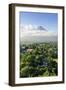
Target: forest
[(39, 59)]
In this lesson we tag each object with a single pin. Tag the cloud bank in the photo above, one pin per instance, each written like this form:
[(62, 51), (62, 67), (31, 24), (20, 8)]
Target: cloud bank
[(34, 33)]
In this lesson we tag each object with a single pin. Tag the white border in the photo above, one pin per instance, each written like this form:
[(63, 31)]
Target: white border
[(17, 59)]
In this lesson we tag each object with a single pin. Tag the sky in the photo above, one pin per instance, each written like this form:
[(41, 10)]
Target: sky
[(47, 20)]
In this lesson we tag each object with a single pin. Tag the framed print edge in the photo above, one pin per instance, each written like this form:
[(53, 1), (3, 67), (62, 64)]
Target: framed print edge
[(63, 45), (12, 44)]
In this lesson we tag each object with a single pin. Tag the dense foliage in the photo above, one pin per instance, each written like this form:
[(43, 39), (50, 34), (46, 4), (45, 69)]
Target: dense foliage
[(38, 60)]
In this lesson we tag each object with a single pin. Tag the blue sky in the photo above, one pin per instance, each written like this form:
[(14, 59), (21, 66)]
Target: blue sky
[(48, 20)]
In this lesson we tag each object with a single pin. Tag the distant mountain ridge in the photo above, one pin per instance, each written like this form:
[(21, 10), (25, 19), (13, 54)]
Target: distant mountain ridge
[(41, 28)]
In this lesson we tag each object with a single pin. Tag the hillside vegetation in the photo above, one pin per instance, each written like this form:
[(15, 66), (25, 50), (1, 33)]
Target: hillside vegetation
[(39, 60)]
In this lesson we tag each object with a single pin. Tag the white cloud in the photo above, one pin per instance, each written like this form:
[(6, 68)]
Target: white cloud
[(32, 30)]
